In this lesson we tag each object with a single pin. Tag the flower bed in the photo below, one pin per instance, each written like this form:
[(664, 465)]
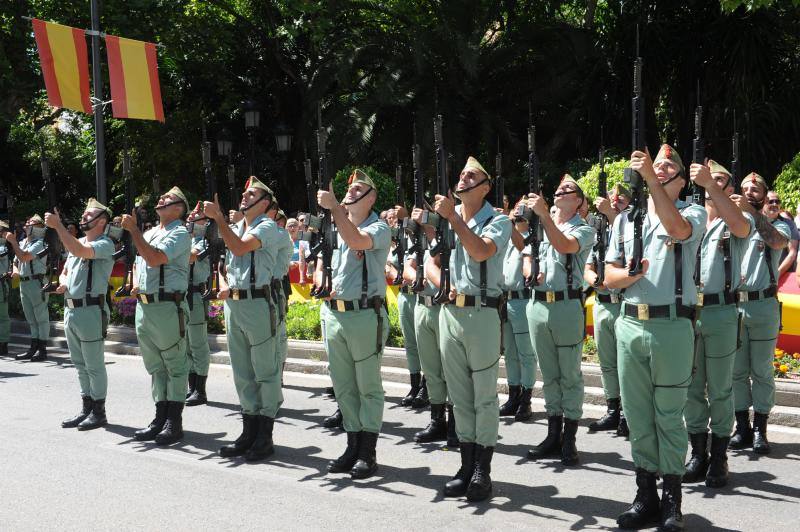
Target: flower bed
[(786, 365)]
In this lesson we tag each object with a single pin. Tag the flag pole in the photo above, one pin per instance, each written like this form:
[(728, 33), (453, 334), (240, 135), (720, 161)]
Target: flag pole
[(99, 131)]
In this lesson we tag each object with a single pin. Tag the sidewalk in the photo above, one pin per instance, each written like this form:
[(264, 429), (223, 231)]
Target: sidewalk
[(310, 357)]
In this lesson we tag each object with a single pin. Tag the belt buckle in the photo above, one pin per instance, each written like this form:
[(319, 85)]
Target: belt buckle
[(461, 300), (143, 299), (71, 303), (643, 311), (235, 294), (550, 296), (340, 305), (700, 299), (744, 297)]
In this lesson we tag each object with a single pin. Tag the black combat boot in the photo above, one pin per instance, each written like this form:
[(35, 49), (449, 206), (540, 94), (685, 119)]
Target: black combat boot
[(610, 420), (452, 437), (155, 426), (760, 442), (72, 422), (459, 483), (333, 421), (262, 444), (96, 418), (173, 427), (569, 452), (509, 408), (3, 349), (698, 462), (421, 400), (30, 352), (480, 484), (743, 436), (645, 508), (198, 395), (329, 391), (345, 463), (717, 475), (436, 429), (671, 516), (416, 379), (366, 465), (245, 439), (623, 430), (551, 445), (192, 381), (524, 411), (41, 351)]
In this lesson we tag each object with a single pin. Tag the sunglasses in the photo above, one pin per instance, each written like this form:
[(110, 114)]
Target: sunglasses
[(774, 202)]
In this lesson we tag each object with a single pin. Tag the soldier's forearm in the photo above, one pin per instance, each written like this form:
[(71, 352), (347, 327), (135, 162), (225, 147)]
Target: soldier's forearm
[(771, 236)]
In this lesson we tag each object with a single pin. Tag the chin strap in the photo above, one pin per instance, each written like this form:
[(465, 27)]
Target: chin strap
[(362, 196), (269, 205), (87, 225), (170, 204), (476, 185)]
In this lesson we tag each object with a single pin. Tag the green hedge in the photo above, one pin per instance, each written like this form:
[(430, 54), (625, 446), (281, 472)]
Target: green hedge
[(787, 184)]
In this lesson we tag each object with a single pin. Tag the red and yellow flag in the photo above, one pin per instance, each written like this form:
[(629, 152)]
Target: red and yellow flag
[(65, 65), (133, 71)]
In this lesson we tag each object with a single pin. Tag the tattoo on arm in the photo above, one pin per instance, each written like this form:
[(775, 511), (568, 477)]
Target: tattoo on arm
[(772, 237)]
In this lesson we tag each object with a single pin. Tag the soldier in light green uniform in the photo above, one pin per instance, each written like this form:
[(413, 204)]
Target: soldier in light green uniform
[(605, 313), (84, 283), (197, 348), (753, 378), (520, 357), (251, 317), (355, 324), (655, 335), (6, 256), (710, 396), (283, 260), (30, 270), (555, 316), (470, 328), (161, 280)]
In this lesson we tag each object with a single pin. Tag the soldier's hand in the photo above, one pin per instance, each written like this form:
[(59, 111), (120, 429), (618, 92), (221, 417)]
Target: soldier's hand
[(235, 216), (417, 215), (452, 295), (701, 175), (52, 219), (742, 203), (224, 293), (212, 210), (445, 206), (400, 212), (129, 221), (539, 278), (603, 206), (643, 164), (134, 291), (645, 267), (538, 205), (326, 198), (590, 276), (60, 289)]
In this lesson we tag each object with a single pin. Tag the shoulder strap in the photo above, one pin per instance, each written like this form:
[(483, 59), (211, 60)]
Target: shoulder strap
[(483, 267)]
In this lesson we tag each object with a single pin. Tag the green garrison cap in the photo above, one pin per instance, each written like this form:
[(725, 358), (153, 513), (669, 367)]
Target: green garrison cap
[(94, 204), (36, 219), (359, 176), (175, 191), (717, 168), (753, 177), (473, 164), (669, 153), (253, 182)]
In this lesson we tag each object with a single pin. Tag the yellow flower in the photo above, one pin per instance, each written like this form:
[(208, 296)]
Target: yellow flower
[(784, 368), (796, 356), (779, 351)]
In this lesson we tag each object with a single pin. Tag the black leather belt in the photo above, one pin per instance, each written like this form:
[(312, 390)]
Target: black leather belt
[(645, 312), (88, 301), (551, 296), (525, 293), (608, 298), (340, 305), (172, 297), (32, 277), (463, 300), (722, 298), (755, 295), (428, 301), (243, 293), (198, 288)]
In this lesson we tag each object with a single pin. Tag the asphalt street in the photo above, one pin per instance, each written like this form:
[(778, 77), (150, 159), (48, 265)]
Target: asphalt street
[(54, 478)]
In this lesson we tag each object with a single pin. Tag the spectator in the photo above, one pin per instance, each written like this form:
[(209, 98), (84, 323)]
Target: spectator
[(789, 254), (300, 251)]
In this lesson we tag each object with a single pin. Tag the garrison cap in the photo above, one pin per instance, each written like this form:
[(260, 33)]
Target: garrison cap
[(473, 164), (94, 204), (753, 177), (359, 176), (566, 178), (253, 182), (669, 153), (717, 168), (36, 219), (280, 215), (4, 225), (175, 191)]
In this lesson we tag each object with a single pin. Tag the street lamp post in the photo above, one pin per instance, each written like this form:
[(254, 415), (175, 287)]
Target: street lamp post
[(225, 149), (252, 118)]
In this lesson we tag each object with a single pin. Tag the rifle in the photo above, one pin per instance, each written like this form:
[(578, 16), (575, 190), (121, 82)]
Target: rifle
[(214, 244), (634, 180), (398, 234), (735, 164), (535, 228), (127, 251), (232, 188), (413, 229), (52, 244), (698, 150), (498, 170), (443, 238), (327, 233), (600, 244)]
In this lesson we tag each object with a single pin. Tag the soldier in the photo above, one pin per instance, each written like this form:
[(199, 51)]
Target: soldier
[(710, 397), (355, 324), (84, 282), (605, 313), (280, 291), (30, 269), (557, 336), (197, 348), (470, 328), (655, 336), (251, 317), (161, 279), (6, 257), (753, 378), (520, 358)]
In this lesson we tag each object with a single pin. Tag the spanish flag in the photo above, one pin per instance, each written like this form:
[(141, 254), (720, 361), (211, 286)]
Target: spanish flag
[(133, 71), (65, 65)]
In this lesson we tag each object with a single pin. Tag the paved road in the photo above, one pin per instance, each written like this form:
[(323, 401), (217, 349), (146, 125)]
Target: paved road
[(56, 478)]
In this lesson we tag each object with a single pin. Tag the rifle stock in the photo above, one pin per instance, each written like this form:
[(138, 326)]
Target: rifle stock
[(638, 209), (698, 150), (443, 240), (601, 237), (127, 251), (535, 228), (735, 163), (52, 244), (398, 234), (327, 235)]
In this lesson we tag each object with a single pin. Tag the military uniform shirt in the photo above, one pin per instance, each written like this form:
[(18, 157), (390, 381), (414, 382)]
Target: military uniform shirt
[(428, 287), (4, 248), (465, 273), (264, 258), (513, 279), (202, 268), (35, 266), (657, 287), (347, 264), (590, 258), (755, 275), (552, 264), (284, 254), (712, 264), (78, 269), (176, 243)]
